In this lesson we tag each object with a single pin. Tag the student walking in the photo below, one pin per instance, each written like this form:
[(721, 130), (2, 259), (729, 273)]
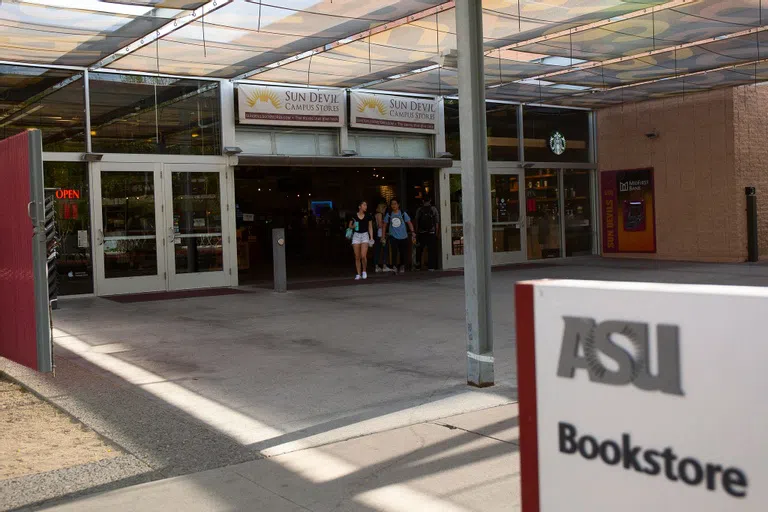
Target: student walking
[(360, 231), (397, 224), (428, 224)]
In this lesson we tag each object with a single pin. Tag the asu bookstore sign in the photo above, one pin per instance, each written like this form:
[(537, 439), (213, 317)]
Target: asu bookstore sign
[(640, 396)]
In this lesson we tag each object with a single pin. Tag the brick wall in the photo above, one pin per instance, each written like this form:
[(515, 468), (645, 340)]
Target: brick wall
[(699, 196), (750, 114)]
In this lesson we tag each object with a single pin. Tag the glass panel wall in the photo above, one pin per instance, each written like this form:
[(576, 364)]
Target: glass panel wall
[(68, 183), (51, 100), (542, 208), (156, 115), (501, 125), (556, 135), (577, 191)]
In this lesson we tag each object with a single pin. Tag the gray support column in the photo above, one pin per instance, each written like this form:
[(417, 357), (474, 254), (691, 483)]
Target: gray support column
[(87, 94), (520, 134), (344, 130), (278, 260), (36, 211), (440, 135), (476, 192)]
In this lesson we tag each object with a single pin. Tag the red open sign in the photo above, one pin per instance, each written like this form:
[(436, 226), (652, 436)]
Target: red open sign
[(67, 193)]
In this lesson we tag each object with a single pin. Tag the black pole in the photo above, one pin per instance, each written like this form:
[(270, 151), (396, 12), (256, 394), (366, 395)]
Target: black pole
[(752, 240)]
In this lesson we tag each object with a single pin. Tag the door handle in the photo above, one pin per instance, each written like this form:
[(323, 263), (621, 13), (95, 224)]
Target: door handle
[(171, 235), (99, 237)]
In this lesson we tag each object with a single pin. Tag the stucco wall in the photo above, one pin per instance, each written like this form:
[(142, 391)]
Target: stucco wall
[(750, 111), (699, 198)]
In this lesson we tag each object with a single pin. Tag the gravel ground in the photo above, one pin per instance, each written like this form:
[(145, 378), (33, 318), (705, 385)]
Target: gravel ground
[(37, 438), (40, 445)]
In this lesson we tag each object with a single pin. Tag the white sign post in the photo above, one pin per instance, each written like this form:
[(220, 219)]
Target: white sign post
[(393, 113), (642, 397), (290, 106)]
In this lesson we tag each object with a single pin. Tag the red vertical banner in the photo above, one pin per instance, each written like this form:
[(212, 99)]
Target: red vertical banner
[(609, 210), (629, 212), (18, 339)]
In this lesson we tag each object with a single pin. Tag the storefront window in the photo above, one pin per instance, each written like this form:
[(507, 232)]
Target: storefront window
[(452, 133), (577, 192), (156, 115), (543, 213), (556, 135), (501, 124), (67, 182), (51, 100)]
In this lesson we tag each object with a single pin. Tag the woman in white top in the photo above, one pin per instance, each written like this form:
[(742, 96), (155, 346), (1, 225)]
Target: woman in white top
[(362, 237)]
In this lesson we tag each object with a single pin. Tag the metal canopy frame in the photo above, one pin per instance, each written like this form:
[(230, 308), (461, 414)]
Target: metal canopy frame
[(586, 50)]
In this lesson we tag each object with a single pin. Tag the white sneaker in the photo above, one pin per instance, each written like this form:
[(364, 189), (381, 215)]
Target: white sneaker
[(365, 275), (402, 269), (357, 277), (378, 269), (385, 268)]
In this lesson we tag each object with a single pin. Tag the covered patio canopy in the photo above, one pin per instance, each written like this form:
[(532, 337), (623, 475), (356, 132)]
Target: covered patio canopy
[(585, 53)]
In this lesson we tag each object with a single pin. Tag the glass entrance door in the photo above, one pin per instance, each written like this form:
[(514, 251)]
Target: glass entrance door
[(507, 217), (129, 251), (196, 226)]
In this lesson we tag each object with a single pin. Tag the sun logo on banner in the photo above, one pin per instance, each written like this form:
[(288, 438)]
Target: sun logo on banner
[(372, 102), (263, 95)]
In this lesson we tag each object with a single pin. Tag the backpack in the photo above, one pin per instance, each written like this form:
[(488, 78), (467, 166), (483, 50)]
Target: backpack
[(427, 220)]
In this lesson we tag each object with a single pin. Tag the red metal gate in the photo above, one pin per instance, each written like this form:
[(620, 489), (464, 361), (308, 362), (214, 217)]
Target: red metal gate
[(24, 313)]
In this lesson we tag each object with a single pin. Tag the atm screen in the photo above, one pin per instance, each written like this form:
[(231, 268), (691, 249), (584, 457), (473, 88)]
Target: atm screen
[(634, 215)]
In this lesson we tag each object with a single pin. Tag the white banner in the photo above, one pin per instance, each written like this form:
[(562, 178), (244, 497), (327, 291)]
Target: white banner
[(291, 106), (642, 397), (393, 113)]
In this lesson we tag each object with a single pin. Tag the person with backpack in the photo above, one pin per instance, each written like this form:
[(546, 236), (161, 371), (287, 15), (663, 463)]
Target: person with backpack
[(397, 224), (428, 225)]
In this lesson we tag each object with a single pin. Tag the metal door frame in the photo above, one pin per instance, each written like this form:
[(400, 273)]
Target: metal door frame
[(124, 285), (182, 281), (501, 258)]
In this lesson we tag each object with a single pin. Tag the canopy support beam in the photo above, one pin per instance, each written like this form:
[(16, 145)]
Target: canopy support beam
[(476, 193)]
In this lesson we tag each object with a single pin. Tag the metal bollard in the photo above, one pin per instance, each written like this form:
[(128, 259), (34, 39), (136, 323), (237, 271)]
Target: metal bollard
[(753, 250), (278, 260)]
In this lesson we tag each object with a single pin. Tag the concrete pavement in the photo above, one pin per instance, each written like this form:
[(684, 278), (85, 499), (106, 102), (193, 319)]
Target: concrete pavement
[(191, 385), (462, 463)]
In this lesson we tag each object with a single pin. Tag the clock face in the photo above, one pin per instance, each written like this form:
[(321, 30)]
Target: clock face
[(557, 143)]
